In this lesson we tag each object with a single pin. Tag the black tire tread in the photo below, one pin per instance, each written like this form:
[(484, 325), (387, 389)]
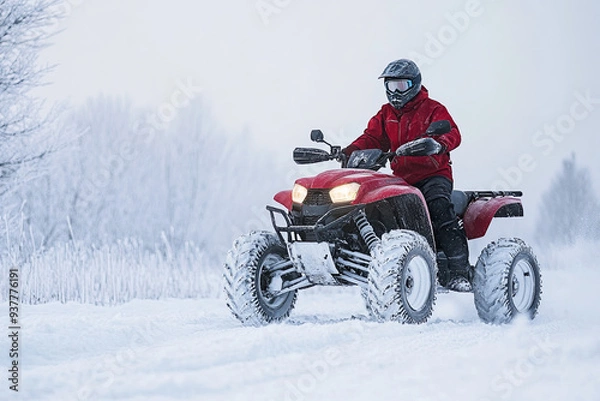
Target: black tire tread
[(240, 268), (491, 281), (383, 294)]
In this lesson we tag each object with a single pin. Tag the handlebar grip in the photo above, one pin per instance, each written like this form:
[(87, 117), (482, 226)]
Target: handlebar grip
[(311, 155)]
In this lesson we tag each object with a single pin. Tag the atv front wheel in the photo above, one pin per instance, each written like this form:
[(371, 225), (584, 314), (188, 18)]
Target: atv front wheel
[(252, 278), (507, 282), (402, 278)]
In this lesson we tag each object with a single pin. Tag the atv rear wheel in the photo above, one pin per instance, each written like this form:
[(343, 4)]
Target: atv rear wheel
[(507, 282), (402, 278), (250, 279)]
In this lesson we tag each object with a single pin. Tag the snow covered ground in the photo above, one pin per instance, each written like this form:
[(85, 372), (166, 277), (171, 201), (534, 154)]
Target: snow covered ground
[(328, 350)]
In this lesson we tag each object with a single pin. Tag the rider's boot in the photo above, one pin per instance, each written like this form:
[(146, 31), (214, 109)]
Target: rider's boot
[(457, 274)]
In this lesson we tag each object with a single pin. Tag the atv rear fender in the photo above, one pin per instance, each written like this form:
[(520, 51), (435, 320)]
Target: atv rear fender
[(480, 213)]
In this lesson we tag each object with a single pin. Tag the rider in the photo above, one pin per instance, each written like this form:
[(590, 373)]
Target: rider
[(404, 119)]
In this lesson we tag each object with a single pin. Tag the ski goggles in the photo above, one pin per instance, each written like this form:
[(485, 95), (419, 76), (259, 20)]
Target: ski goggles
[(400, 85)]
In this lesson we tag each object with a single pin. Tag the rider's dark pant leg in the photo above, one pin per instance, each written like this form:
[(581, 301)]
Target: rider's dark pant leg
[(450, 237)]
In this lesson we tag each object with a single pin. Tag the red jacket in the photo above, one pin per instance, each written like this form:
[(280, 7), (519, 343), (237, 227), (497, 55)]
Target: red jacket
[(390, 128)]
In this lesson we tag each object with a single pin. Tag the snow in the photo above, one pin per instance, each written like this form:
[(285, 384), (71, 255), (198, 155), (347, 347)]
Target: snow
[(328, 350)]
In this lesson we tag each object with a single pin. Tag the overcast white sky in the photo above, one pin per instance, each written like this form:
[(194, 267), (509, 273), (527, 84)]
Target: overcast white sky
[(513, 67)]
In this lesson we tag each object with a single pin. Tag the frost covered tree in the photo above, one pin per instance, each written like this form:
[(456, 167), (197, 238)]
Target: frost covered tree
[(181, 183), (29, 131), (24, 139), (79, 189), (570, 209)]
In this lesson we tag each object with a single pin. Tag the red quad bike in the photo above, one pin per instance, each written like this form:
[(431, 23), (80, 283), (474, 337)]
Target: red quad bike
[(356, 226)]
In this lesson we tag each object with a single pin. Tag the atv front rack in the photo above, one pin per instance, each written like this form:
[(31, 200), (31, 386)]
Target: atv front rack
[(349, 213)]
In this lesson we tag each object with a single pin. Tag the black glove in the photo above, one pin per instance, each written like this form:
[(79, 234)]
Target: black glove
[(338, 154), (349, 149), (421, 147)]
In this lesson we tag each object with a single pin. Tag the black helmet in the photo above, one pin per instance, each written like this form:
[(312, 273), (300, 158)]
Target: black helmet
[(402, 82)]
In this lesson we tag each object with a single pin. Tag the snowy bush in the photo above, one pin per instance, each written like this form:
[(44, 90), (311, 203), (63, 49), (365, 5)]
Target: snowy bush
[(113, 274)]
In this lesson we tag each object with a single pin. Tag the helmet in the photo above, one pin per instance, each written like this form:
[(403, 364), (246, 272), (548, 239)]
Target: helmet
[(402, 82)]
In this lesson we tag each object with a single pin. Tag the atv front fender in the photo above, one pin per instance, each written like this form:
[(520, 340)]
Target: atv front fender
[(480, 213), (388, 191), (285, 199)]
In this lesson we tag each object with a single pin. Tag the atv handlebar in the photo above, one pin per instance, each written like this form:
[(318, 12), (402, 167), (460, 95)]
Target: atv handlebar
[(312, 155), (424, 146)]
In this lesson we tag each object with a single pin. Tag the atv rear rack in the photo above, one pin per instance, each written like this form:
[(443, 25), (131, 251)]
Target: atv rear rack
[(493, 194)]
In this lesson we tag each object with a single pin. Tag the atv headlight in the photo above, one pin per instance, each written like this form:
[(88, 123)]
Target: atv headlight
[(344, 193), (299, 193)]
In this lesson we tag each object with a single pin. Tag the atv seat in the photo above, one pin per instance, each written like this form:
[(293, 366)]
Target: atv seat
[(460, 200)]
